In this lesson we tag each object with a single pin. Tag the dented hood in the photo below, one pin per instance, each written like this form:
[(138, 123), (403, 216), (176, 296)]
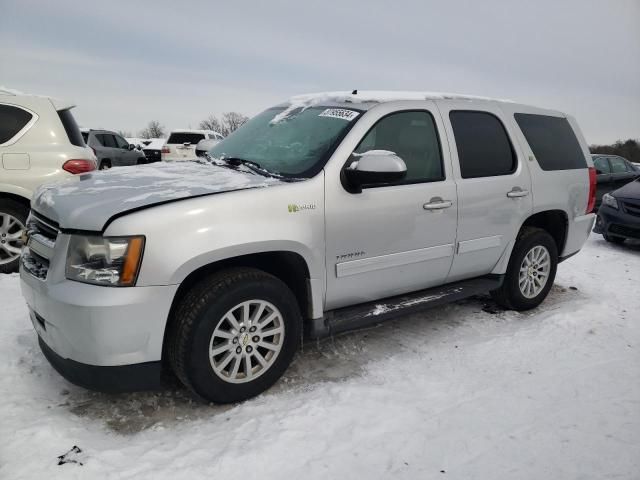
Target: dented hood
[(89, 204)]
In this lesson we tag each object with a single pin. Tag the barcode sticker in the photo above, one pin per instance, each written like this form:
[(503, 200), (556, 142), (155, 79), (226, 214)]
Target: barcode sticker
[(342, 113)]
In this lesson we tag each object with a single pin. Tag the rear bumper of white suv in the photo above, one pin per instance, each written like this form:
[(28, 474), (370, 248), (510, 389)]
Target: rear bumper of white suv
[(577, 233), (103, 338)]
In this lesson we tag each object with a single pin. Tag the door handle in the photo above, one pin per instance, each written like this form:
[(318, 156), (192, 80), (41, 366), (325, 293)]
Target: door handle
[(517, 192), (437, 203)]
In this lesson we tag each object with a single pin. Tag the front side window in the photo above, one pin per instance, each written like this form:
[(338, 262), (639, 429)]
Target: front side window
[(413, 137), (602, 165), (484, 148), (618, 165), (291, 142), (121, 142), (12, 120), (107, 140)]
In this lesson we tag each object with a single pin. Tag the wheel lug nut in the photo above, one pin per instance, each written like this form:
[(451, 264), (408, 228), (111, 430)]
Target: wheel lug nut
[(252, 329), (235, 340), (249, 349), (256, 339), (239, 350), (242, 330)]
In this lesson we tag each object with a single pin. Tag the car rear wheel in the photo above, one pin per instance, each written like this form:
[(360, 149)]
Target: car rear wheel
[(234, 335), (531, 271), (13, 218)]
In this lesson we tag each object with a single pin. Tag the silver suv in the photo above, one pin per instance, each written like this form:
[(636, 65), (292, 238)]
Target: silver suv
[(112, 150), (327, 213)]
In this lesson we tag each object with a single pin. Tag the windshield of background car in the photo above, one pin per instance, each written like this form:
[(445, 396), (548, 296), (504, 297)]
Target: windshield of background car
[(179, 138), (295, 143)]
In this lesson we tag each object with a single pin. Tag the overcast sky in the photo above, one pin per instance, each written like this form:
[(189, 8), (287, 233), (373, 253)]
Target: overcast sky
[(125, 63)]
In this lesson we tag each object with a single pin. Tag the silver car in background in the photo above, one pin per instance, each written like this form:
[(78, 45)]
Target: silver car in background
[(111, 149)]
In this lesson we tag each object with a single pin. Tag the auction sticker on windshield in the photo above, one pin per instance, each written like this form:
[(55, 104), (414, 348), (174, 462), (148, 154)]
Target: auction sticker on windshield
[(342, 113)]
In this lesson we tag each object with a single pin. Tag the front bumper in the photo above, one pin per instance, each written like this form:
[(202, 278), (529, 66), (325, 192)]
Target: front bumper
[(97, 335), (617, 223)]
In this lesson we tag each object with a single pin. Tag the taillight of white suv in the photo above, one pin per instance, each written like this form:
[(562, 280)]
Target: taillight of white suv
[(79, 166)]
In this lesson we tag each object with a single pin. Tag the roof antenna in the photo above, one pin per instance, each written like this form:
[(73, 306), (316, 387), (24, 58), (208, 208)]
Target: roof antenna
[(355, 92)]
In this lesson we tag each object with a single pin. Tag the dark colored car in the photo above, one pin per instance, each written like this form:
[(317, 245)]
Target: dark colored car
[(153, 150), (612, 172), (619, 214)]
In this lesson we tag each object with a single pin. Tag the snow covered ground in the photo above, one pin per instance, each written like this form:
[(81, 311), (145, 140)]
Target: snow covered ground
[(459, 392)]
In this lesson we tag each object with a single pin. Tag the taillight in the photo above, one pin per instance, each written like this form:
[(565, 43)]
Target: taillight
[(165, 149), (79, 166), (593, 181)]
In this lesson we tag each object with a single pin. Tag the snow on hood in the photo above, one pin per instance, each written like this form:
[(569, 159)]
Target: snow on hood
[(88, 204)]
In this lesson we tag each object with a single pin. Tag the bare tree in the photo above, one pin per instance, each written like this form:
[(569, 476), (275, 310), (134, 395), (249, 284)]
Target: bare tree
[(233, 120), (154, 130), (212, 123), (229, 122)]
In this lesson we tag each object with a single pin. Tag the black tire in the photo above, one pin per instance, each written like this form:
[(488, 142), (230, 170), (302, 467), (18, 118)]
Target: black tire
[(614, 239), (19, 211), (201, 310), (509, 295), (105, 165)]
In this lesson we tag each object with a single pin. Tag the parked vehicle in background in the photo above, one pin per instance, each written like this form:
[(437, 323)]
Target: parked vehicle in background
[(619, 214), (181, 144), (153, 149), (39, 142), (327, 213), (138, 143), (204, 146), (112, 150), (612, 172)]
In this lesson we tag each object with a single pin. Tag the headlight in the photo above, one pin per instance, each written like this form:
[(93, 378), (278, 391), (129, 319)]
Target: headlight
[(610, 201), (110, 261)]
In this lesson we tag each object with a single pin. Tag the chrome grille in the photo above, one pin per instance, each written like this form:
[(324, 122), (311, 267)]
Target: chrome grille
[(42, 234)]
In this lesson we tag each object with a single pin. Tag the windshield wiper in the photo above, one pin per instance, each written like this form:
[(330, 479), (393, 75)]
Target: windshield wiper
[(251, 165)]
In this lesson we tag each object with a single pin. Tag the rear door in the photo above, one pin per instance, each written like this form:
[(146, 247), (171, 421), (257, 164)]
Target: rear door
[(127, 156), (621, 172), (494, 185)]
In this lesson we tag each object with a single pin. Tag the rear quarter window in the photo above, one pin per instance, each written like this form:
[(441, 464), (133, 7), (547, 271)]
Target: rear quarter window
[(552, 141), (12, 120), (184, 137), (71, 127)]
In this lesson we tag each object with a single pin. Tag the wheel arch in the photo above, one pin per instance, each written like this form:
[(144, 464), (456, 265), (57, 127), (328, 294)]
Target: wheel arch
[(555, 222), (290, 267)]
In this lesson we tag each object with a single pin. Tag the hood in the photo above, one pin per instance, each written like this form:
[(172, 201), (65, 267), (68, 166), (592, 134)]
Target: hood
[(88, 204), (630, 190)]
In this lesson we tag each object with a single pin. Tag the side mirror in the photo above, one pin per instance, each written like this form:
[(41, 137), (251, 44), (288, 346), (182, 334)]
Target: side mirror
[(131, 146), (375, 167)]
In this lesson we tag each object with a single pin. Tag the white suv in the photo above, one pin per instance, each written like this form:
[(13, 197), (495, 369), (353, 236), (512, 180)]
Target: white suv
[(39, 142), (181, 144)]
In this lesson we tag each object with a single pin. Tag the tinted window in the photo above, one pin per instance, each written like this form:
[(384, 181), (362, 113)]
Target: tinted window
[(602, 165), (121, 142), (184, 137), (618, 165), (414, 138), (552, 141), (85, 137), (12, 120), (484, 149), (106, 140), (71, 127)]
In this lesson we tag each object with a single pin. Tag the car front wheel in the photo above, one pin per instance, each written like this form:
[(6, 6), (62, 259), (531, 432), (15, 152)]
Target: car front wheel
[(531, 271), (13, 218), (234, 335)]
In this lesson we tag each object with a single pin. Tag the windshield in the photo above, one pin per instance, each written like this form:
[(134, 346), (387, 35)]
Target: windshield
[(296, 145), (185, 137)]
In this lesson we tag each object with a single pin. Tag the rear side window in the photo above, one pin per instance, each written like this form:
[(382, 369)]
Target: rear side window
[(552, 141), (602, 165), (484, 149), (71, 127), (184, 137), (618, 165), (85, 137), (12, 120)]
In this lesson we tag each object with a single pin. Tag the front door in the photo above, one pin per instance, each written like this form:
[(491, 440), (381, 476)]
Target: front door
[(397, 238)]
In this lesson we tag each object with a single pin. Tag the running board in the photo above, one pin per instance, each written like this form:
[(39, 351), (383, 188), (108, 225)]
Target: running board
[(372, 313)]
